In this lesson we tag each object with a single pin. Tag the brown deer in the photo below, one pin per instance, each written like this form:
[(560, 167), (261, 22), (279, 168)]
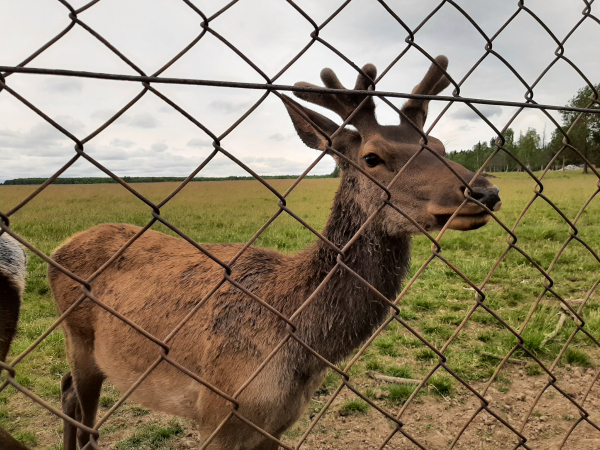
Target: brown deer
[(159, 279)]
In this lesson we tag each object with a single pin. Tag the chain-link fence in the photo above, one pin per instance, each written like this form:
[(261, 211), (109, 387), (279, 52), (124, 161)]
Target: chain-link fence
[(150, 85)]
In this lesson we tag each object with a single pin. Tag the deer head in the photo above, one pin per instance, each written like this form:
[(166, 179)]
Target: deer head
[(428, 191)]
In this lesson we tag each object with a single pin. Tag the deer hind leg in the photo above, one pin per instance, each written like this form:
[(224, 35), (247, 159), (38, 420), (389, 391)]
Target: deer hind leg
[(71, 407), (81, 392)]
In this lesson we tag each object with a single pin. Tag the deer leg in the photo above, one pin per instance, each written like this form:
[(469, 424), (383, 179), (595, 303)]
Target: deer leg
[(71, 407), (86, 383), (88, 391)]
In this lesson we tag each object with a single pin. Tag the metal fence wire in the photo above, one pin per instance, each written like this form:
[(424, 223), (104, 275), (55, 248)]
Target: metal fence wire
[(150, 85)]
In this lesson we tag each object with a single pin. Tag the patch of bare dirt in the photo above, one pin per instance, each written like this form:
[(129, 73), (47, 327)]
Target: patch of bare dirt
[(435, 422), (431, 420)]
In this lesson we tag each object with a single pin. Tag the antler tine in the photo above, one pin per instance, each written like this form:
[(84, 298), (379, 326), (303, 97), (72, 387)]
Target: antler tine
[(345, 104), (434, 82)]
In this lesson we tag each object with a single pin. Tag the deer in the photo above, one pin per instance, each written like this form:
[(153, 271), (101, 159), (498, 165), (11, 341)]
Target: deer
[(13, 268), (157, 281)]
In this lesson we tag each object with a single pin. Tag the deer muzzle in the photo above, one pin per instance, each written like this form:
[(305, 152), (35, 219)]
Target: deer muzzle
[(489, 197), (473, 214)]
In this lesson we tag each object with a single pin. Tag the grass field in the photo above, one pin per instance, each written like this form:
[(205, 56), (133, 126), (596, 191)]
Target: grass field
[(213, 212)]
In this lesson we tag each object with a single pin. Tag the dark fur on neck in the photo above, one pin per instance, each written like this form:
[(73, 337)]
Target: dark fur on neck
[(346, 311), (337, 320)]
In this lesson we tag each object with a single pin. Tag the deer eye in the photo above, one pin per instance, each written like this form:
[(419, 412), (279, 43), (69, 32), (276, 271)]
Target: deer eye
[(372, 160)]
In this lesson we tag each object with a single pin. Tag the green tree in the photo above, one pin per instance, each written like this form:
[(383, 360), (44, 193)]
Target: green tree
[(336, 172), (474, 158), (583, 129), (505, 162), (528, 148)]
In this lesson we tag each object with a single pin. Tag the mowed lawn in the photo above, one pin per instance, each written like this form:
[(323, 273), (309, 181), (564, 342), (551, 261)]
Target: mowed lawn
[(232, 211)]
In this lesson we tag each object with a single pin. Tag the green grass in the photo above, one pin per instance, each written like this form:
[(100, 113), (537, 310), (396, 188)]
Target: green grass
[(533, 370), (331, 381), (399, 371), (424, 354), (138, 411), (442, 385), (374, 364), (27, 438), (386, 346), (152, 437), (577, 357), (353, 405), (399, 393), (437, 302)]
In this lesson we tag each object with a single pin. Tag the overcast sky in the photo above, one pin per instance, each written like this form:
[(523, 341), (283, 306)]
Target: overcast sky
[(152, 139)]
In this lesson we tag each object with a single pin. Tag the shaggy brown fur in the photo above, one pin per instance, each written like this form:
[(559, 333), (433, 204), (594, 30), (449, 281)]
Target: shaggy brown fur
[(159, 279), (13, 265)]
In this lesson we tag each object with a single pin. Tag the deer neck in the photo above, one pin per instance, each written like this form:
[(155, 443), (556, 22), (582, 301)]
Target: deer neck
[(346, 311)]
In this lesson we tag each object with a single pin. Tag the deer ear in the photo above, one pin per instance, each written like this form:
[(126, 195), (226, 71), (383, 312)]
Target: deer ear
[(311, 136)]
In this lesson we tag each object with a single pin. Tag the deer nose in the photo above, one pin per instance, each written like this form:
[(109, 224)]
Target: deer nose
[(488, 196)]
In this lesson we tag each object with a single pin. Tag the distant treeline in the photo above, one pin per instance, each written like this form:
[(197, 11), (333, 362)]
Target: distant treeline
[(106, 180), (534, 151)]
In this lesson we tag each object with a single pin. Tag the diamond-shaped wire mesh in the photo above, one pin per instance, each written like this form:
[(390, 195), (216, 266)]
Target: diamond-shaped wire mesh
[(287, 323)]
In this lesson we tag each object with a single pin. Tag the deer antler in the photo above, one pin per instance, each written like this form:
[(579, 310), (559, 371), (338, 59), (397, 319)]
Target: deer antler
[(434, 82), (344, 104)]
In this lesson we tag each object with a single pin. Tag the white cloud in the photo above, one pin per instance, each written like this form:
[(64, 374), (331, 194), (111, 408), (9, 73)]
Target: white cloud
[(199, 142), (42, 139), (466, 113), (64, 85), (122, 143), (159, 147), (229, 107), (277, 137), (152, 138), (103, 114), (143, 120)]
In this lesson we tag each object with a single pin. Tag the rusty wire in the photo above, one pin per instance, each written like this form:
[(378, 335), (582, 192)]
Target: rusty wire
[(148, 84)]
